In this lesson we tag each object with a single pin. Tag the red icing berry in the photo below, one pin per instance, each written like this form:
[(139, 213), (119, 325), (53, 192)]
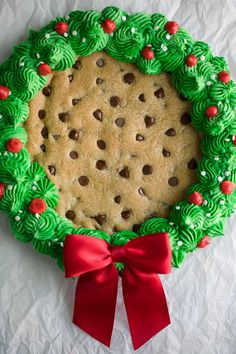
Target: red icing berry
[(227, 187), (205, 241), (44, 69), (37, 206), (14, 145), (191, 60), (172, 27), (147, 53), (234, 140), (211, 111), (108, 26), (224, 76), (61, 27), (4, 92), (2, 189), (195, 198)]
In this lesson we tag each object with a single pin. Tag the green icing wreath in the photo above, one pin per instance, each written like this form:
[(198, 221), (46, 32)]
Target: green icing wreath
[(154, 44)]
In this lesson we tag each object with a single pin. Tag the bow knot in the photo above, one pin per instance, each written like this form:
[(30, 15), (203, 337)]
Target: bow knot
[(92, 259)]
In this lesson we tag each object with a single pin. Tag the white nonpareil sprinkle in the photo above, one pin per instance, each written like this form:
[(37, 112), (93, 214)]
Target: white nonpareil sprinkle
[(61, 244), (227, 173), (37, 55), (208, 215), (17, 218), (192, 226), (67, 17), (55, 240), (37, 215), (177, 207), (168, 37), (156, 28), (220, 179), (216, 158), (213, 76), (20, 211), (149, 45), (203, 173), (123, 18), (65, 34), (9, 93), (202, 57), (179, 243), (22, 64), (47, 35), (163, 47), (74, 33), (111, 34), (222, 202), (171, 223), (133, 30), (5, 153), (227, 140), (49, 243), (208, 83), (83, 40), (233, 137), (10, 187), (205, 202), (0, 116), (34, 188)]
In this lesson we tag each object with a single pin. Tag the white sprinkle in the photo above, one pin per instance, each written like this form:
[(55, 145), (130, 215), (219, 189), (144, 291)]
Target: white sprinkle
[(216, 158), (55, 240), (0, 116), (163, 47), (213, 76), (219, 103), (20, 211), (5, 153), (123, 18), (185, 41), (233, 137), (41, 62), (220, 179), (17, 218), (227, 173), (61, 244), (208, 215), (205, 202), (203, 173), (202, 57), (10, 187), (22, 64), (179, 243), (9, 93), (171, 223), (191, 226), (49, 243), (133, 30), (177, 207), (37, 55), (67, 17), (47, 35), (37, 215), (227, 140), (222, 202), (208, 83), (83, 40), (149, 45), (156, 28), (74, 33), (65, 34), (168, 37), (34, 188), (111, 34)]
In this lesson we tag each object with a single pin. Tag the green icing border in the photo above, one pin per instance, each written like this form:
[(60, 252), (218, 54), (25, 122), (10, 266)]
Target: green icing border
[(25, 180)]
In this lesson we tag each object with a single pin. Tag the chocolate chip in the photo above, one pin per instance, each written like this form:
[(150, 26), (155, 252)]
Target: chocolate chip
[(117, 199), (126, 214), (114, 101), (129, 78), (139, 137), (192, 164), (41, 114), (77, 64), (70, 77), (101, 144), (170, 132), (47, 91), (165, 153), (124, 172), (75, 101), (100, 62), (99, 81), (159, 93), (136, 227), (147, 170), (44, 132), (114, 229), (83, 180), (173, 181), (56, 136), (64, 117), (142, 97), (74, 155), (120, 122), (100, 165), (182, 97), (98, 114), (52, 170), (141, 192), (43, 148), (70, 214), (101, 218), (149, 121), (185, 118), (74, 134)]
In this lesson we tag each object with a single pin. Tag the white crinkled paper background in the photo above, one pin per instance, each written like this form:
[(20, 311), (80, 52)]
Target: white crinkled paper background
[(36, 302)]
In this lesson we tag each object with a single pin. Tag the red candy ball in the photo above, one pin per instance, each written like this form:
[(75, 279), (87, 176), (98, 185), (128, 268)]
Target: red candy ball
[(61, 27), (205, 241), (172, 27), (195, 198), (14, 145), (191, 60), (44, 69), (108, 26), (234, 140), (224, 76), (2, 189), (37, 206), (147, 53), (4, 92), (211, 111), (227, 187)]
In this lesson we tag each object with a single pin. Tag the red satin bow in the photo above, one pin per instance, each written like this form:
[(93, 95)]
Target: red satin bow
[(93, 260)]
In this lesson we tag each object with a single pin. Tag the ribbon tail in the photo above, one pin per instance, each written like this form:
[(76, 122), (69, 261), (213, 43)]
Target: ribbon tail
[(145, 304), (95, 302)]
